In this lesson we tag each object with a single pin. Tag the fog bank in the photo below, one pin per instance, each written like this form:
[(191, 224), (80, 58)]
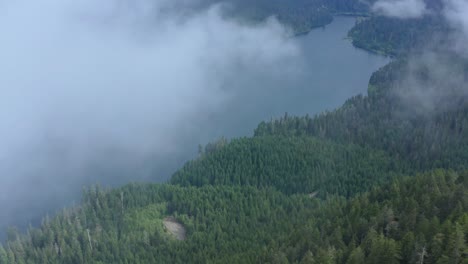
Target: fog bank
[(91, 91)]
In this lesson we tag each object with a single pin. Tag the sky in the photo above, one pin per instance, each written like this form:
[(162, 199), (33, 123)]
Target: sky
[(96, 88)]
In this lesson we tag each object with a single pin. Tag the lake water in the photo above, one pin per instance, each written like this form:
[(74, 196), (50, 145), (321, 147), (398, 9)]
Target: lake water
[(332, 70)]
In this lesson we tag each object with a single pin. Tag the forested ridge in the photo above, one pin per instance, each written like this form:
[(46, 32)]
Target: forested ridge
[(409, 220), (292, 165), (372, 32), (386, 121), (398, 37), (300, 15), (382, 179), (393, 36)]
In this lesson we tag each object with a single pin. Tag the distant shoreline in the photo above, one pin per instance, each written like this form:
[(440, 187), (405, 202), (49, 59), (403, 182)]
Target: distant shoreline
[(343, 14)]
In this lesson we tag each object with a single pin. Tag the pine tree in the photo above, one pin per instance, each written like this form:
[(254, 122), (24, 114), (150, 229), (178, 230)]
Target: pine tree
[(357, 256)]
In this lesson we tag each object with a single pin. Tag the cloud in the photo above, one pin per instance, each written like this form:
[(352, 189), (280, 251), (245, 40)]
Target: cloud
[(433, 82), (434, 78), (403, 9), (90, 89), (456, 14)]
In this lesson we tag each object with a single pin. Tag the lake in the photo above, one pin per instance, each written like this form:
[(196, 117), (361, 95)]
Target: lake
[(331, 70)]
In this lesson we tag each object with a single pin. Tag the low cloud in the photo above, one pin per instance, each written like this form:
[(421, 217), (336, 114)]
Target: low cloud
[(404, 9), (456, 12), (434, 78), (433, 82), (90, 89)]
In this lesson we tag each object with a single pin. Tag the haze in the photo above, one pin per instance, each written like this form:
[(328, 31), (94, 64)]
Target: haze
[(445, 80), (90, 89)]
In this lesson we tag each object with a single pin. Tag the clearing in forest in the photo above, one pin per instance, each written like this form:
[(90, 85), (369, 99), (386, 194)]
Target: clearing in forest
[(175, 228)]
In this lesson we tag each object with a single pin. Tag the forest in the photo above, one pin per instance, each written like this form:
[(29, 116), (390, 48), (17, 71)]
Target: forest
[(378, 180), (300, 15), (397, 37), (361, 184)]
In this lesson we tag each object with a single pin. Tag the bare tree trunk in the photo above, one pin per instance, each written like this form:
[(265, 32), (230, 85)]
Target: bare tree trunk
[(422, 255), (122, 201), (89, 239)]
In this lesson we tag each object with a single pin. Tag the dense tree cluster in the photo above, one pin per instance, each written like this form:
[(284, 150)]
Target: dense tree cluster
[(386, 121), (328, 189), (399, 37), (293, 165), (421, 218), (394, 36)]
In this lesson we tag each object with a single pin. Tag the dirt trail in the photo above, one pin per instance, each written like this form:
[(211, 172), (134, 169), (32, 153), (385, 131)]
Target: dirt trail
[(175, 228)]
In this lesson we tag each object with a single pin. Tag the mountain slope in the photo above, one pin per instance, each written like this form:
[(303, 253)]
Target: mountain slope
[(382, 179), (429, 133), (292, 165), (228, 224), (329, 189)]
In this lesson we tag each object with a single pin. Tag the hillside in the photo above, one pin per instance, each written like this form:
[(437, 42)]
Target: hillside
[(292, 165), (430, 134), (393, 36), (425, 215), (381, 179), (301, 15), (396, 36), (356, 185)]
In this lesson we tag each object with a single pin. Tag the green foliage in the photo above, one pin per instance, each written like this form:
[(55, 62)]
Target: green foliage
[(329, 189), (385, 121), (394, 36), (300, 15), (291, 164), (398, 37), (247, 225)]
